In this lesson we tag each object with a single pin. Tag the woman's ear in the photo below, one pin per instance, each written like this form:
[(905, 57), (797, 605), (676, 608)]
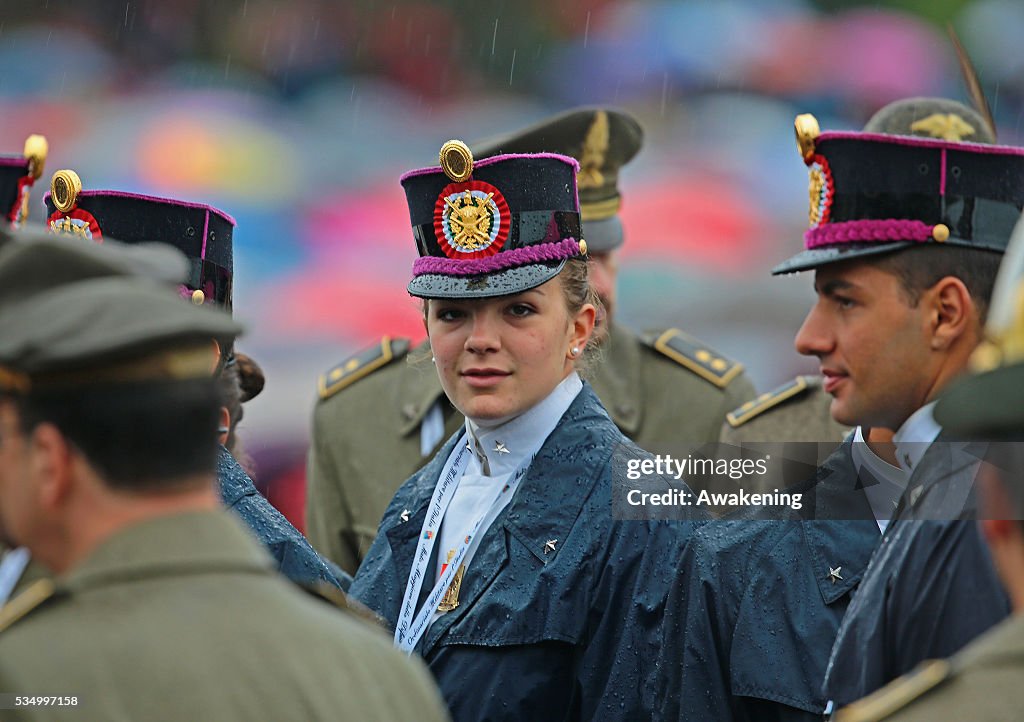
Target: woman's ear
[(583, 326)]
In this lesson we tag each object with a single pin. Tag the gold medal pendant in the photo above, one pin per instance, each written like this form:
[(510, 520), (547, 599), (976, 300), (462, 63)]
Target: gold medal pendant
[(450, 600)]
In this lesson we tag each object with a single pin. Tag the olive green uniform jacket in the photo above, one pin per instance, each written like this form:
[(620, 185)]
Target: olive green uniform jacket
[(184, 618), (667, 391), (982, 683)]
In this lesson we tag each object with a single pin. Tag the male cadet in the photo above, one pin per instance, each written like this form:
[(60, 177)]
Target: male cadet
[(758, 603), (981, 682), (908, 235), (380, 417), (17, 176), (205, 235), (164, 607)]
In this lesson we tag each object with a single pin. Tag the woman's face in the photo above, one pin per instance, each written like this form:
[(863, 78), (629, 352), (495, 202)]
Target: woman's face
[(497, 357)]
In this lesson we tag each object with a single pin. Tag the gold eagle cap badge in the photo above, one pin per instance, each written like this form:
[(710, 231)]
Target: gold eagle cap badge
[(947, 126)]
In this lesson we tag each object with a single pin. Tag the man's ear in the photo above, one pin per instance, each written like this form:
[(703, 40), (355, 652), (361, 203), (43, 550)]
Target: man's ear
[(953, 312), (52, 464)]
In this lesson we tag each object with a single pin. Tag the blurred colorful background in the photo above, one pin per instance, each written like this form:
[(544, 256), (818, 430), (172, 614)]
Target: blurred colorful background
[(298, 116)]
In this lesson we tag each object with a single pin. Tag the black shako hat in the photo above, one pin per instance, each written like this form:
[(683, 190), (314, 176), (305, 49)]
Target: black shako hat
[(495, 227), (873, 193), (602, 140), (203, 233)]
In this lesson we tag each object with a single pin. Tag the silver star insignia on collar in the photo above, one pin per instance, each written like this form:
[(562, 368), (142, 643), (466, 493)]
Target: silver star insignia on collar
[(404, 516), (549, 545), (500, 448), (834, 575)]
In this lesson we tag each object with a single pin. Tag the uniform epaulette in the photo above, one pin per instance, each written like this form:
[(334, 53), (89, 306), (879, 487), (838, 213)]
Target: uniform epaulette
[(756, 407), (695, 356), (361, 364), (897, 694), (335, 597), (34, 595)]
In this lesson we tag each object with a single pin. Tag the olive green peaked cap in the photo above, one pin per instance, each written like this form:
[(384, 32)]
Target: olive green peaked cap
[(931, 118), (602, 140), (68, 307)]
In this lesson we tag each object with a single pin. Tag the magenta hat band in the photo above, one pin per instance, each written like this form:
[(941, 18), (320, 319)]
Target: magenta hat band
[(539, 253)]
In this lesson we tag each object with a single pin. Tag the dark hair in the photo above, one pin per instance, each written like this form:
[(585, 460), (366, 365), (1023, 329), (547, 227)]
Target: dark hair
[(140, 437), (240, 380), (921, 267)]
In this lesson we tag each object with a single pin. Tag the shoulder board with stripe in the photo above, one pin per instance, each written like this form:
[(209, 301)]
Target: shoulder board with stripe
[(695, 356), (897, 694), (361, 365), (335, 597), (768, 400), (34, 595)]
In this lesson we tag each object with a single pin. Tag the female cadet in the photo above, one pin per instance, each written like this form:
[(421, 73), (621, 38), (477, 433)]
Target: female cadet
[(500, 561)]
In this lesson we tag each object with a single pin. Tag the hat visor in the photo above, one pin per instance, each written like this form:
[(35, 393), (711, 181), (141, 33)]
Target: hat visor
[(990, 404), (816, 257), (501, 283), (604, 235)]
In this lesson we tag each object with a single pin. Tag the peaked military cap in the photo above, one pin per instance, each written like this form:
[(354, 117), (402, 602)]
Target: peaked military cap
[(203, 233), (602, 140), (494, 227), (155, 261), (17, 175), (96, 322), (910, 179)]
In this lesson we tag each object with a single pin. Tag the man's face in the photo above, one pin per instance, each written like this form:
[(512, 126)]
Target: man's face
[(604, 270), (16, 497), (874, 347)]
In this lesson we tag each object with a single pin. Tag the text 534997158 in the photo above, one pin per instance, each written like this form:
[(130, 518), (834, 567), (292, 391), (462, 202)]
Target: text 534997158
[(12, 701)]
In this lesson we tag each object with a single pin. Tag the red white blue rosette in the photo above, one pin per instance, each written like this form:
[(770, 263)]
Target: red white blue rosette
[(76, 222), (471, 220)]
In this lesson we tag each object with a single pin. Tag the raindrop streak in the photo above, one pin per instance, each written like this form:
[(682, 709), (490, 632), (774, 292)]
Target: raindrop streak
[(586, 30), (494, 37), (245, 8), (513, 68), (664, 92), (126, 6)]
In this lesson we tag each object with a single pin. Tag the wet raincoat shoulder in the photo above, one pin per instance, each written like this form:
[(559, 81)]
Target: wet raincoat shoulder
[(296, 559), (753, 613), (566, 634), (931, 586)]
